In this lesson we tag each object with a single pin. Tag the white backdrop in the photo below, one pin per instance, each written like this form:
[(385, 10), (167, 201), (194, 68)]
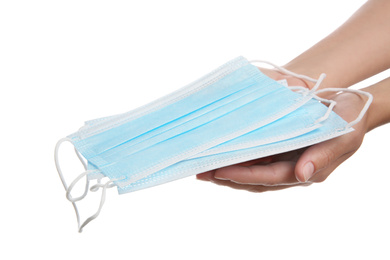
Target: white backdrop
[(64, 62)]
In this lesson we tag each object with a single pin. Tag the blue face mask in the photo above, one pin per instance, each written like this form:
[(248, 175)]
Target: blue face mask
[(231, 115), (279, 143), (200, 118)]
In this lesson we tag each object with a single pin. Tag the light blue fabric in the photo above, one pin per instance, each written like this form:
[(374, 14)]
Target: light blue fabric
[(234, 100), (156, 121), (299, 122), (334, 126), (186, 123), (244, 119)]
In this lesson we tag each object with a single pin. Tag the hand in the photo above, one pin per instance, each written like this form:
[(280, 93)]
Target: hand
[(300, 167)]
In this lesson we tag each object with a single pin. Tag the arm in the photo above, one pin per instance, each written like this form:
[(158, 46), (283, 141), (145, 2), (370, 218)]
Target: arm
[(379, 111), (355, 51)]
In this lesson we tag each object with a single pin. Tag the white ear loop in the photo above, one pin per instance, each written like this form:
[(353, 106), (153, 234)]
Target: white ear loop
[(306, 91), (62, 176), (94, 188), (70, 188), (331, 103), (356, 91), (286, 71), (314, 91)]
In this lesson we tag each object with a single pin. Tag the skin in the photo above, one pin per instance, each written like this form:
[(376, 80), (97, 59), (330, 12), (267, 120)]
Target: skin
[(358, 49)]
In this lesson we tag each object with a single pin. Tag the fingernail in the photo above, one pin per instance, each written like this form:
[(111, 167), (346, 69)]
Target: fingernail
[(308, 171)]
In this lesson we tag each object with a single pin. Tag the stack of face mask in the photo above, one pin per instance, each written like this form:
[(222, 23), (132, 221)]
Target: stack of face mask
[(231, 115)]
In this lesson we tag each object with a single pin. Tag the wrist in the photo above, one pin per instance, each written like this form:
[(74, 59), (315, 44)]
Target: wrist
[(379, 112)]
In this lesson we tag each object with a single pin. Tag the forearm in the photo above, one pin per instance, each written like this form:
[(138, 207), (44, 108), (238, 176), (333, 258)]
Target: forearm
[(379, 111), (355, 51)]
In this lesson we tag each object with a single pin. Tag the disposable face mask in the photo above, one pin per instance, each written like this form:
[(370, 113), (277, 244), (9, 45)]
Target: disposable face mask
[(238, 103), (271, 139), (213, 122), (303, 120), (331, 128)]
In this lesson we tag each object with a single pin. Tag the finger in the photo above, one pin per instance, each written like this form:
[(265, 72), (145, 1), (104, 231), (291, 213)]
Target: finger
[(321, 175), (318, 157), (323, 155), (252, 188), (272, 174), (261, 188), (206, 176)]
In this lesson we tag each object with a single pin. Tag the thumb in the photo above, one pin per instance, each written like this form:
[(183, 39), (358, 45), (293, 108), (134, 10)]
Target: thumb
[(318, 157)]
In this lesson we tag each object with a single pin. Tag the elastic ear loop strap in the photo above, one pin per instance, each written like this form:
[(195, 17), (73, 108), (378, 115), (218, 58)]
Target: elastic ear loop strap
[(62, 176), (94, 188), (355, 91), (306, 91), (314, 91), (286, 71), (334, 103)]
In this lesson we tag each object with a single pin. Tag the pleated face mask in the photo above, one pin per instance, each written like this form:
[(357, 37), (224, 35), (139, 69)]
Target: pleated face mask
[(231, 115)]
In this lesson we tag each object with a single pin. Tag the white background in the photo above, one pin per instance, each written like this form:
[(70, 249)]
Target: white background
[(64, 62)]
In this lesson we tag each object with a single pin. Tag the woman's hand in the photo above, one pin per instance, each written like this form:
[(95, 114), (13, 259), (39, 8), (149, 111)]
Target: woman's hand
[(347, 56), (300, 167)]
